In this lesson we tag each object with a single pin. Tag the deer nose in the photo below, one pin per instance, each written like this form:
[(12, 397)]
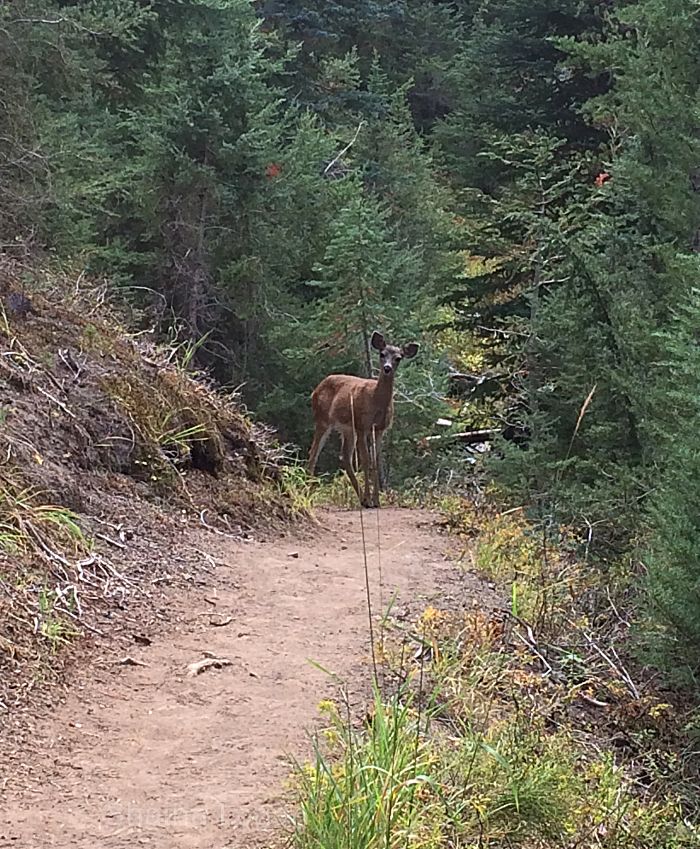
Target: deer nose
[(387, 368)]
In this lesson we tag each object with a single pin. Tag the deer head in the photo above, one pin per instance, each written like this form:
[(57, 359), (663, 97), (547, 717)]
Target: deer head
[(389, 355)]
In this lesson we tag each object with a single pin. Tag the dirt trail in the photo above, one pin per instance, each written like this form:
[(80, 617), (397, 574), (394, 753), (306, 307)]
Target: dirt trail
[(147, 756)]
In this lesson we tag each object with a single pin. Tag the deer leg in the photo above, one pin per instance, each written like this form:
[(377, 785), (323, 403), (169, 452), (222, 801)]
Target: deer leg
[(366, 464), (320, 437), (347, 449), (375, 454)]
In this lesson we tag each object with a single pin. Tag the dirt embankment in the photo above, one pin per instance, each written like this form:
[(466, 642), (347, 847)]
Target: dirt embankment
[(109, 447)]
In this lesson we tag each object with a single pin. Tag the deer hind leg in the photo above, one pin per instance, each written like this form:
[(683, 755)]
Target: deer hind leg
[(319, 440), (347, 449)]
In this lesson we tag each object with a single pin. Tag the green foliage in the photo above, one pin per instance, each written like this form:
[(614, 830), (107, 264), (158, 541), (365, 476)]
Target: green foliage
[(673, 562), (358, 278), (368, 796), (498, 777), (586, 238)]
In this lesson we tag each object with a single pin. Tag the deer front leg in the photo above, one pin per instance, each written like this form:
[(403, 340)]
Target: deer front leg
[(375, 446), (347, 448), (366, 464)]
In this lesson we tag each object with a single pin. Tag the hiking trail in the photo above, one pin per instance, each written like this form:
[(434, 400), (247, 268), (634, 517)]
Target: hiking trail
[(147, 755)]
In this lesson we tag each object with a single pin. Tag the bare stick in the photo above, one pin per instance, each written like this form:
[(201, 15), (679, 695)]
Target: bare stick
[(57, 402), (111, 541), (345, 149)]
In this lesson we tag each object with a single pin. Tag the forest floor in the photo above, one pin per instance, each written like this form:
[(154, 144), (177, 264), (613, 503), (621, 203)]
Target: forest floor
[(137, 752)]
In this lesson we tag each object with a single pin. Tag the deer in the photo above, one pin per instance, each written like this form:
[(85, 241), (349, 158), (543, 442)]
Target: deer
[(361, 410)]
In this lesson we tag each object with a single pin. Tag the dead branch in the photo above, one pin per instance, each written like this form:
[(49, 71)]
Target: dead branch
[(618, 668), (345, 149), (469, 437), (111, 541), (57, 402)]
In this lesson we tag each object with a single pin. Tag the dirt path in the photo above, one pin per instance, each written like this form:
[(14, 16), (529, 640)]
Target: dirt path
[(147, 756)]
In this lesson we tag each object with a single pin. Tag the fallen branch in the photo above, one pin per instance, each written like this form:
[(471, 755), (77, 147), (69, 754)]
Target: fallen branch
[(49, 552), (57, 402), (618, 668), (200, 666), (470, 437), (111, 541)]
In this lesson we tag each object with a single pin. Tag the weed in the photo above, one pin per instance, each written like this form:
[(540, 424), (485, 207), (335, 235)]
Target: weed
[(171, 421), (94, 338), (179, 438), (185, 352), (370, 789), (337, 491), (301, 490), (26, 524), (11, 540), (65, 520), (54, 626)]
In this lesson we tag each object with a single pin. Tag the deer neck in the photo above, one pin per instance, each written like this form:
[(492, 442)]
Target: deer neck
[(384, 393)]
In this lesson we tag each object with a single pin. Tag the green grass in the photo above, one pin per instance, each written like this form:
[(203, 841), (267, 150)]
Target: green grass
[(27, 524), (11, 539), (453, 776), (180, 438), (367, 789), (306, 492), (300, 489)]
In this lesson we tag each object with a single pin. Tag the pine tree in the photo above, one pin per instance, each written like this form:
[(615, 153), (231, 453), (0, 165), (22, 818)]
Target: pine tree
[(615, 228), (672, 623)]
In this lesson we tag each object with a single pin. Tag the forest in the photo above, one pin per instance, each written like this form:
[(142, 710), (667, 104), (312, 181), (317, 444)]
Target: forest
[(514, 184)]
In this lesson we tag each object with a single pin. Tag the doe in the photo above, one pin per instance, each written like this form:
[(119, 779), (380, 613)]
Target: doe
[(361, 409)]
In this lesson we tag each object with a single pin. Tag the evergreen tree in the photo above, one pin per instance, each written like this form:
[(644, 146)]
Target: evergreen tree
[(673, 558), (585, 248)]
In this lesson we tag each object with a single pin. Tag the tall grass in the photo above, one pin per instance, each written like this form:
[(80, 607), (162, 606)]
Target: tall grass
[(26, 523), (371, 788)]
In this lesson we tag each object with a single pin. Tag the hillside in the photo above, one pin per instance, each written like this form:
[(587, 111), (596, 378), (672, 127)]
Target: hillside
[(109, 448)]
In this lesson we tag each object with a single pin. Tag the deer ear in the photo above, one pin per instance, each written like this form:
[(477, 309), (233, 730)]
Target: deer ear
[(377, 341), (410, 350)]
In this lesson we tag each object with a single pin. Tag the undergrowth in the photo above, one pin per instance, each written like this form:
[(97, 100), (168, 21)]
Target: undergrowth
[(335, 490), (522, 727)]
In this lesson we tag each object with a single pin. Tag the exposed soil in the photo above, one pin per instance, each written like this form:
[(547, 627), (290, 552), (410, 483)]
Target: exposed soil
[(145, 755)]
